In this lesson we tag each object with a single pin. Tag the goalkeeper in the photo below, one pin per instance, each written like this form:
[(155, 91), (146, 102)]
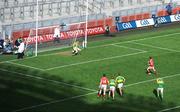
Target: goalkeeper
[(76, 48), (120, 82)]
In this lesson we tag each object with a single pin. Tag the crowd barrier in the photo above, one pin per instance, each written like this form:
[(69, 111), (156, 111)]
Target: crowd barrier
[(147, 22), (45, 35)]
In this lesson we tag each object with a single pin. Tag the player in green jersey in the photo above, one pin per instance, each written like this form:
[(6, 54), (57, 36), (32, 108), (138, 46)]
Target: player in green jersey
[(112, 85), (76, 48), (120, 82), (160, 88)]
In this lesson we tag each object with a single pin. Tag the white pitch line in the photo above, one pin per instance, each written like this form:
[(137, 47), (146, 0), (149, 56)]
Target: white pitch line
[(116, 45), (44, 79), (165, 77), (24, 65), (74, 97), (106, 45), (96, 60), (167, 49), (52, 102), (146, 38), (169, 109)]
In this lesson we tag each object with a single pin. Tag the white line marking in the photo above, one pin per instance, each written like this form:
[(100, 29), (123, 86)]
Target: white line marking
[(146, 38), (167, 49), (96, 60), (67, 99), (168, 109), (116, 45), (24, 65), (52, 102), (44, 79), (169, 76), (99, 46)]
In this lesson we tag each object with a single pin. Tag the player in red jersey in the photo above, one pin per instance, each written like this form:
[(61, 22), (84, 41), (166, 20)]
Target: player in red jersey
[(103, 85), (151, 66)]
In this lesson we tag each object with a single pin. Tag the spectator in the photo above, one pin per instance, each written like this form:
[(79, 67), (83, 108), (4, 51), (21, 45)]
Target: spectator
[(57, 35), (17, 42), (1, 41), (169, 9), (107, 30), (21, 48), (7, 46)]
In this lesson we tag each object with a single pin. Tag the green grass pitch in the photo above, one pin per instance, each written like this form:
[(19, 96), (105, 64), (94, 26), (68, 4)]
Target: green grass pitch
[(56, 81)]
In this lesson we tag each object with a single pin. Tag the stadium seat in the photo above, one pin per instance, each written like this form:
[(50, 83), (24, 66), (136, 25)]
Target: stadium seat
[(113, 29), (139, 16), (100, 22), (16, 34), (124, 18), (132, 18), (92, 24), (82, 25), (109, 21), (74, 27), (162, 13), (25, 33), (176, 10), (146, 15)]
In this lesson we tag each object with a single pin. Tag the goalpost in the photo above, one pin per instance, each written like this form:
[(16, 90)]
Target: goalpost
[(34, 42)]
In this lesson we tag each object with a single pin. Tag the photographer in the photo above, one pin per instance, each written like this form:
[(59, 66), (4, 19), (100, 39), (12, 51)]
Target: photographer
[(21, 48), (107, 30)]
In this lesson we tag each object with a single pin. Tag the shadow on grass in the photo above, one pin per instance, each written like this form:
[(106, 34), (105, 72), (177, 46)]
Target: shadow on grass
[(18, 91)]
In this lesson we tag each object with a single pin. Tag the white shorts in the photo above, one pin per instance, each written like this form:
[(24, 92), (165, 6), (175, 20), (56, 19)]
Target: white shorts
[(112, 88), (151, 68), (160, 89), (103, 86), (76, 49), (120, 85)]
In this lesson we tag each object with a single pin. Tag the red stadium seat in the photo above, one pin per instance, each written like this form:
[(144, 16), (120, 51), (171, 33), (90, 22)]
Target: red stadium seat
[(92, 24), (132, 18), (109, 21), (25, 33), (124, 18), (162, 13), (139, 17), (113, 29), (100, 22), (146, 15), (176, 10), (74, 27)]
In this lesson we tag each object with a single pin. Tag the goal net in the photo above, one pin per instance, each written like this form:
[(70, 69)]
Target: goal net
[(54, 37)]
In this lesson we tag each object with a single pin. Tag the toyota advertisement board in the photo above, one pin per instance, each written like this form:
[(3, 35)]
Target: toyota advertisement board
[(175, 17), (125, 26), (144, 22), (64, 35)]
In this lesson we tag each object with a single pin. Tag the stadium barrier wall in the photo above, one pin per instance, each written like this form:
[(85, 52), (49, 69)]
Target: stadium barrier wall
[(48, 36), (147, 22), (94, 28)]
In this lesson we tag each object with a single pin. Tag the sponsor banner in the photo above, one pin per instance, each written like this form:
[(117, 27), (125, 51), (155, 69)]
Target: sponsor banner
[(144, 22), (175, 17), (125, 26), (65, 35), (164, 19)]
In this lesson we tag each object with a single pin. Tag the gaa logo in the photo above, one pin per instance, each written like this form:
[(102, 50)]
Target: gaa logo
[(144, 22), (177, 17), (162, 20), (126, 25)]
